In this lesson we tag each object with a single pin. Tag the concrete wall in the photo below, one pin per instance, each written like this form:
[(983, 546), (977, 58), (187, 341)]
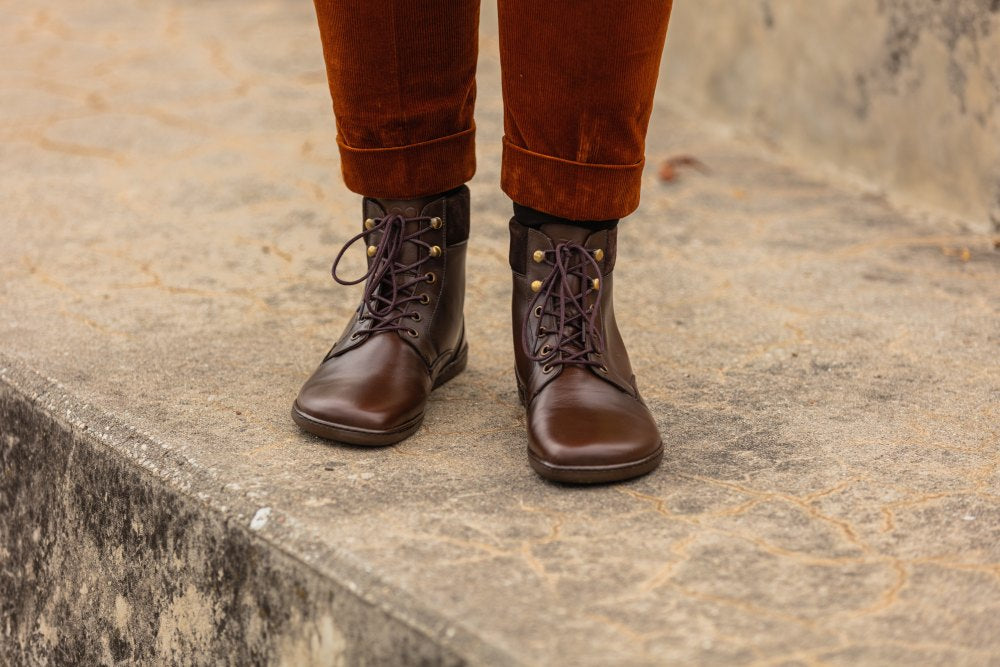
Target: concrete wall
[(905, 93), (103, 561)]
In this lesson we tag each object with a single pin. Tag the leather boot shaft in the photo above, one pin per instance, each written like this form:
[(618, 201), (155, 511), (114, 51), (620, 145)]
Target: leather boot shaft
[(434, 324), (530, 261)]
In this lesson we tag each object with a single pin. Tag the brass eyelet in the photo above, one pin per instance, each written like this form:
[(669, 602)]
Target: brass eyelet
[(372, 250), (412, 333), (369, 223), (425, 299), (415, 317), (538, 255), (436, 223), (435, 251), (538, 311), (547, 368), (596, 283), (546, 350), (599, 254), (603, 369), (431, 278), (536, 285)]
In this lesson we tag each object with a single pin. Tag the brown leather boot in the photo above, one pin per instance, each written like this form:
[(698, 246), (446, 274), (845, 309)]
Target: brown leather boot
[(407, 336), (586, 420)]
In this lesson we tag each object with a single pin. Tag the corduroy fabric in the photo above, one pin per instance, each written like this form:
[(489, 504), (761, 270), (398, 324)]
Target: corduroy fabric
[(578, 83), (408, 172), (402, 77)]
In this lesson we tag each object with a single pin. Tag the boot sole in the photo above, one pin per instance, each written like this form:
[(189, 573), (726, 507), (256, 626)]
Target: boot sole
[(591, 474), (596, 474), (352, 435)]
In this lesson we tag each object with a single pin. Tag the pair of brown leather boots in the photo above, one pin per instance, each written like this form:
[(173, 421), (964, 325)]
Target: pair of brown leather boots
[(586, 421)]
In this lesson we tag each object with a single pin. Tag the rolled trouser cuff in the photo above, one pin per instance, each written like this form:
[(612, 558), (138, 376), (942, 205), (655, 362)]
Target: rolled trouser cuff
[(568, 189), (414, 170)]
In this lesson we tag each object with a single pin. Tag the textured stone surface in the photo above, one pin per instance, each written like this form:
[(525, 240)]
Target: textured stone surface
[(104, 563), (905, 93), (825, 371)]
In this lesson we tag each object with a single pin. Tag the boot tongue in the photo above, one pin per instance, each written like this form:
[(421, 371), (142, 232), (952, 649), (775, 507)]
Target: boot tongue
[(559, 232), (408, 208)]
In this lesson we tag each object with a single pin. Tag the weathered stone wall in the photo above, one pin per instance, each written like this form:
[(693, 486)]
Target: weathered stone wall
[(905, 93), (102, 563)]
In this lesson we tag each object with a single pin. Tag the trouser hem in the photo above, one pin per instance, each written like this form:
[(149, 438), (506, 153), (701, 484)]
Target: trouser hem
[(568, 189), (414, 170)]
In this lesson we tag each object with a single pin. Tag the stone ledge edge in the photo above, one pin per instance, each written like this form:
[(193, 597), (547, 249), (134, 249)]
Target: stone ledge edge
[(83, 427)]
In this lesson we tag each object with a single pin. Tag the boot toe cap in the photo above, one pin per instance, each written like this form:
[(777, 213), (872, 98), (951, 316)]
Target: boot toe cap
[(597, 426), (344, 405), (380, 387)]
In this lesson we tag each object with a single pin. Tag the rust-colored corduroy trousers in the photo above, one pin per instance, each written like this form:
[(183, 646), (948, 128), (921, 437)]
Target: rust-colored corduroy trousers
[(578, 82)]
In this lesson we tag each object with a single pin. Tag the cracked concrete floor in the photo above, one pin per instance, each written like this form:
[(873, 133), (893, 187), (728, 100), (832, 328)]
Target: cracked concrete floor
[(824, 368)]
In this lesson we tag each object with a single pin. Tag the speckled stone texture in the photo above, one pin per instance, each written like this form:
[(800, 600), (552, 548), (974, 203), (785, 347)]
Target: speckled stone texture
[(824, 369), (104, 563)]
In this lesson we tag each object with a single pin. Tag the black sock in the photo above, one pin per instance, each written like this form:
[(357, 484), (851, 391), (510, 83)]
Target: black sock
[(530, 217)]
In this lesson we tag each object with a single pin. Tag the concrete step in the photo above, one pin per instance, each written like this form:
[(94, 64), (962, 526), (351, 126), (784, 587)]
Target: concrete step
[(823, 367)]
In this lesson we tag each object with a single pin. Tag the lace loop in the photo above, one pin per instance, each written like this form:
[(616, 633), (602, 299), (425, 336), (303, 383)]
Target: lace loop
[(563, 295), (389, 283)]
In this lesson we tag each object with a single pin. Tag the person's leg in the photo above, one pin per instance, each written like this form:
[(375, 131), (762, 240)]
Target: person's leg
[(402, 78), (578, 90), (578, 82)]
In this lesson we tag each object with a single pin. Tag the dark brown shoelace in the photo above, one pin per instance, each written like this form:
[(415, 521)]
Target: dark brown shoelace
[(389, 283), (563, 296)]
